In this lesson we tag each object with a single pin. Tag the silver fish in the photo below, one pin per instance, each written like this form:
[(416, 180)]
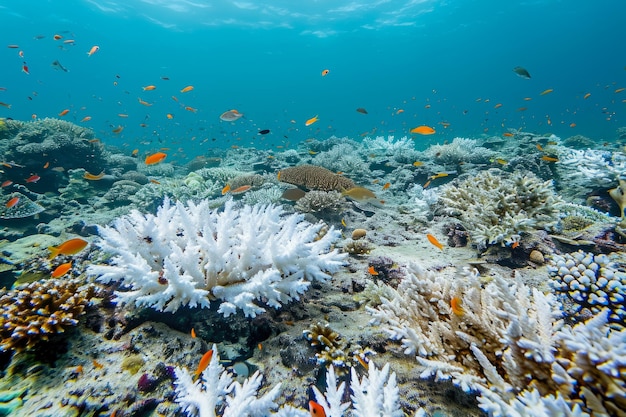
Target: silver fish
[(57, 65), (230, 115), (522, 72)]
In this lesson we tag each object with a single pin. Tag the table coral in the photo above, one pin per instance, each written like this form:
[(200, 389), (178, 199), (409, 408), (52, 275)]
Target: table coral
[(191, 255), (494, 206), (32, 312)]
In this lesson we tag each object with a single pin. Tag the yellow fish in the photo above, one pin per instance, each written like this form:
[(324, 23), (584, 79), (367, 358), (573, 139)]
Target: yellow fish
[(544, 92), (311, 121), (423, 130)]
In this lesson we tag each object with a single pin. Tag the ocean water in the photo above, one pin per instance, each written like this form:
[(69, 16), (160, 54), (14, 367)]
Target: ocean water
[(439, 61)]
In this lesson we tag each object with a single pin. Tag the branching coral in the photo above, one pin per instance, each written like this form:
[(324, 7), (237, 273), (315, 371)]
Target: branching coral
[(494, 206), (459, 150), (192, 254), (35, 311)]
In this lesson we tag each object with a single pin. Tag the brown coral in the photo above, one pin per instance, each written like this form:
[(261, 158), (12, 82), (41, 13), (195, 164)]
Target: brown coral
[(315, 178), (32, 312)]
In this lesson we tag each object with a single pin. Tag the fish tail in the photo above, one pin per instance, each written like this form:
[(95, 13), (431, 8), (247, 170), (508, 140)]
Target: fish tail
[(54, 251)]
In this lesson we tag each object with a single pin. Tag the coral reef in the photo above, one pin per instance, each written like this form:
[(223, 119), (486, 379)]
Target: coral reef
[(592, 282), (33, 312), (315, 178), (494, 207), (191, 254), (459, 150), (25, 207), (321, 202)]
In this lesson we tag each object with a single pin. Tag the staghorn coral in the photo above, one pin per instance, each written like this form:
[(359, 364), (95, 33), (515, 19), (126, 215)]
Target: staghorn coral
[(33, 312), (190, 255), (494, 206), (592, 282), (315, 178)]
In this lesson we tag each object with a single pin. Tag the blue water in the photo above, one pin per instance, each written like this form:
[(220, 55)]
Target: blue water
[(265, 60)]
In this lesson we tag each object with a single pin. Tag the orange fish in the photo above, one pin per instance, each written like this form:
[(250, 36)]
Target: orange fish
[(372, 271), (97, 364), (400, 111), (191, 109), (149, 88), (33, 178), (539, 147), (69, 247), (169, 116), (316, 410), (508, 134), (619, 90), (145, 103), (544, 92), (46, 165), (241, 189), (93, 50), (134, 152), (6, 183), (227, 188), (153, 181), (497, 106), (423, 130), (57, 37), (456, 306), (186, 89), (86, 119), (311, 121), (387, 185), (118, 129), (432, 239), (61, 270), (549, 158), (193, 333), (12, 202), (64, 112), (204, 362), (325, 73), (155, 158), (586, 96), (572, 125), (92, 177)]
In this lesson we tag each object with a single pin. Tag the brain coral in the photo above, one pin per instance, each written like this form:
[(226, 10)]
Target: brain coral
[(495, 206), (32, 312), (315, 178)]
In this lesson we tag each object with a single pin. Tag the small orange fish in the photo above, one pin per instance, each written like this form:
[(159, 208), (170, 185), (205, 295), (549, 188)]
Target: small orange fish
[(169, 116), (539, 147), (153, 181), (311, 121), (619, 90), (508, 134), (69, 247), (316, 410), (325, 72), (6, 183), (572, 125), (134, 152), (204, 362), (93, 50), (33, 178), (12, 202), (227, 187), (57, 37), (544, 92), (61, 270), (497, 106), (46, 165), (586, 96), (433, 240), (423, 130), (387, 185), (549, 158), (191, 109), (97, 364), (241, 189), (118, 129), (155, 158), (92, 177), (144, 103), (193, 333), (400, 111), (64, 112), (186, 89), (372, 271), (456, 306), (149, 88), (86, 119)]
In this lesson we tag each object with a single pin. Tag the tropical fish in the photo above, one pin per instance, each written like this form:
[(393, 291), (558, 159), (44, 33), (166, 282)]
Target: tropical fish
[(155, 158), (169, 116), (372, 271), (619, 90), (387, 185), (240, 190), (204, 362), (311, 121), (93, 177), (69, 247), (6, 183), (145, 103), (64, 112), (423, 130), (186, 89), (586, 96), (544, 92), (572, 125), (456, 306), (33, 178), (149, 88), (418, 163), (264, 132), (438, 175), (316, 410), (359, 193), (93, 50), (7, 105), (12, 46), (522, 72), (118, 129), (57, 66), (57, 37), (497, 106), (508, 134), (25, 69), (325, 72), (191, 109), (433, 240), (549, 158), (230, 115), (86, 119), (226, 189), (361, 110), (61, 270), (400, 111), (12, 202)]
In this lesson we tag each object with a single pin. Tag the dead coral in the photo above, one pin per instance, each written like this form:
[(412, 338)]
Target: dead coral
[(315, 178), (32, 312)]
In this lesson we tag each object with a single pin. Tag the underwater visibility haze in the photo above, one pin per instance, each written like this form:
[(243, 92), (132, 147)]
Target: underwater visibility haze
[(312, 208)]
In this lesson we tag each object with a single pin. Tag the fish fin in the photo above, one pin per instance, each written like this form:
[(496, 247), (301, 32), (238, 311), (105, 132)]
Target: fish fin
[(54, 251)]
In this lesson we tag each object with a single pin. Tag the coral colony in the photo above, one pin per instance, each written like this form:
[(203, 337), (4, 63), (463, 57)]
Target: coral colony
[(333, 257)]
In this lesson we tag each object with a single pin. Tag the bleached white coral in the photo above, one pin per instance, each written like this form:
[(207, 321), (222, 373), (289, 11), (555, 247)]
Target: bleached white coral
[(459, 150), (187, 255), (388, 146)]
